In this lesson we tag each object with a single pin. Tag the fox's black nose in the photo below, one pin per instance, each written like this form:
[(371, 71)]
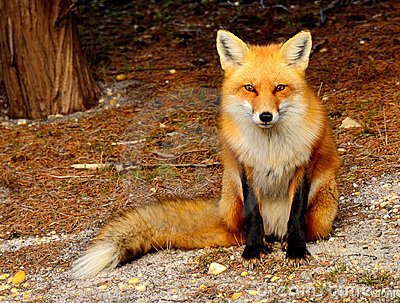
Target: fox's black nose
[(266, 117)]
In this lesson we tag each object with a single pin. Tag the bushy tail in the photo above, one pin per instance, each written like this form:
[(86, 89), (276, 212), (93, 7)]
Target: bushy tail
[(180, 224)]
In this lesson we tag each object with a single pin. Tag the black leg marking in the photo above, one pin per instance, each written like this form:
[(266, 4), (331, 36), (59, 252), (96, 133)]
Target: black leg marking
[(296, 231), (253, 224)]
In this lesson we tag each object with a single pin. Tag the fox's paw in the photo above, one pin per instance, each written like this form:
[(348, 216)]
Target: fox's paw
[(298, 261), (296, 251), (253, 255)]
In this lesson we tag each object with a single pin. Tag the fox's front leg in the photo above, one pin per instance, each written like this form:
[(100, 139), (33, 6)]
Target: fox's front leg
[(296, 230), (253, 226)]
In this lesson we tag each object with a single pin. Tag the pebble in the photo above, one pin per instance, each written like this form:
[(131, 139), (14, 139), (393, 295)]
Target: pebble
[(140, 287), (113, 102), (121, 77), (349, 123), (122, 286), (7, 124), (4, 276), (216, 268), (4, 287), (22, 122), (252, 292), (109, 91)]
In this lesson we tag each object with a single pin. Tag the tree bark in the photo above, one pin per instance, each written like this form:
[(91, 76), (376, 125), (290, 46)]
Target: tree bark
[(45, 72)]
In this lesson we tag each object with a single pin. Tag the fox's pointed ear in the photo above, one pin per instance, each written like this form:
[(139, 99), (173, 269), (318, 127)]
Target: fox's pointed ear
[(297, 50), (231, 49)]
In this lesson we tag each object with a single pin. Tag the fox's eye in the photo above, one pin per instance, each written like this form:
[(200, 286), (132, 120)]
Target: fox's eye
[(249, 88), (280, 87)]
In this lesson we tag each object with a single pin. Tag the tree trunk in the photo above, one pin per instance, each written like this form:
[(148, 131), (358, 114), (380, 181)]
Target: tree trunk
[(44, 70)]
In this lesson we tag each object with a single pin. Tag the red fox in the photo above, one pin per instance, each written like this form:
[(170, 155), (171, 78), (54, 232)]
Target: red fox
[(279, 168)]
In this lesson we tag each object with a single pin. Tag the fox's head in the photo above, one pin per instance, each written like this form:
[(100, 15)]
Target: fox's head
[(263, 84)]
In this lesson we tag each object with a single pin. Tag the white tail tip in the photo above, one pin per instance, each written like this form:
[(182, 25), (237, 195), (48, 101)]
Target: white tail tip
[(99, 257)]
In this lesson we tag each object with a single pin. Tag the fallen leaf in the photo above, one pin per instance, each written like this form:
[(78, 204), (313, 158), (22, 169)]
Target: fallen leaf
[(237, 295), (19, 277), (133, 281)]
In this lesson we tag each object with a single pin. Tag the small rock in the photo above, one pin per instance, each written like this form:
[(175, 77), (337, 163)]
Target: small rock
[(7, 124), (122, 286), (4, 287), (383, 204), (252, 292), (121, 77), (113, 102), (140, 287), (54, 117), (349, 123), (22, 122), (216, 268), (4, 276), (172, 71)]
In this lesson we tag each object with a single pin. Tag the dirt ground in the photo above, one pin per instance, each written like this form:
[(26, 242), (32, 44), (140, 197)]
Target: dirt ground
[(156, 132)]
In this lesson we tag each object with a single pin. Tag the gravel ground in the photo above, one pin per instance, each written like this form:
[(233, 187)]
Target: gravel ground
[(359, 263)]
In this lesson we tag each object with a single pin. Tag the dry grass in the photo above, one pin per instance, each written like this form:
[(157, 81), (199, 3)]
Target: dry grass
[(173, 117)]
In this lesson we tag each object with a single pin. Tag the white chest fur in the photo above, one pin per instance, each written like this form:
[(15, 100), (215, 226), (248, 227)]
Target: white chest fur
[(274, 154)]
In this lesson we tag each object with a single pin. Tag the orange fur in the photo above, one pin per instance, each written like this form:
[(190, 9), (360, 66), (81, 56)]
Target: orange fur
[(275, 158)]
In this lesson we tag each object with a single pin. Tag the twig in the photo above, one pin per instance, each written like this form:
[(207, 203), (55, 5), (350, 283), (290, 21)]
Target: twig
[(319, 89), (193, 151), (92, 165), (192, 164), (160, 69), (384, 125), (362, 255), (70, 176), (135, 167), (128, 142)]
